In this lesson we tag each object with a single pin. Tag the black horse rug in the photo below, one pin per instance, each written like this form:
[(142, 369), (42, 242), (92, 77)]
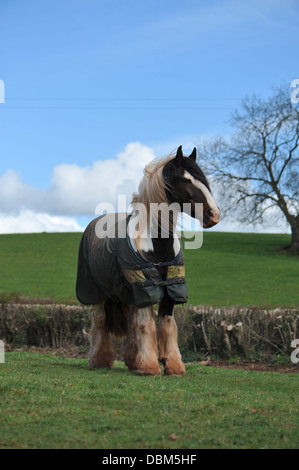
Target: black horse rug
[(109, 268)]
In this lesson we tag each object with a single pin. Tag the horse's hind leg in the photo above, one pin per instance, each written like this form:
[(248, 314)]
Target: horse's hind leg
[(169, 353), (141, 352), (101, 352)]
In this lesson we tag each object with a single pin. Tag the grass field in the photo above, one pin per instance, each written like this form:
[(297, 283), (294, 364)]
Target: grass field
[(54, 402), (229, 269)]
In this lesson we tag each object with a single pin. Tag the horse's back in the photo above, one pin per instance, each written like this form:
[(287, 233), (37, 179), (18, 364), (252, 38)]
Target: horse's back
[(98, 274)]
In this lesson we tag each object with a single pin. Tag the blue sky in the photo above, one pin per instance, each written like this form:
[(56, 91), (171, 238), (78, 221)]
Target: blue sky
[(95, 88)]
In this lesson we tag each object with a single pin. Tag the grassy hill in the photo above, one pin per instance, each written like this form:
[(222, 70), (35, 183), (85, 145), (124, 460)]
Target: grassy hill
[(229, 269), (242, 269)]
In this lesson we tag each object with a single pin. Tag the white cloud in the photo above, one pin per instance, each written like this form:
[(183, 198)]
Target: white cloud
[(14, 194), (27, 221), (78, 190), (227, 225)]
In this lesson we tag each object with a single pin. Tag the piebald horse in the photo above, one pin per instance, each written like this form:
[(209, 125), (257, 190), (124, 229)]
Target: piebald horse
[(124, 274)]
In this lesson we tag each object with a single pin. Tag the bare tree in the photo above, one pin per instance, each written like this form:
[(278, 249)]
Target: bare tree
[(258, 168)]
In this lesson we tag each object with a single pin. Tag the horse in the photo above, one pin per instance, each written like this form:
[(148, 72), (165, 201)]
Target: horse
[(129, 262)]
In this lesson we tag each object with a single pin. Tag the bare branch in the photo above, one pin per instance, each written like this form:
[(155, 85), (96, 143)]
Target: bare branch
[(291, 151), (257, 195)]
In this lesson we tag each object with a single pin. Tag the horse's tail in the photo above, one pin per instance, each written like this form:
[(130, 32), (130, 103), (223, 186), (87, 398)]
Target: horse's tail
[(116, 318)]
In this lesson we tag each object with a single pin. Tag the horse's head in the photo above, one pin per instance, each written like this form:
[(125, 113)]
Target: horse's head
[(186, 183)]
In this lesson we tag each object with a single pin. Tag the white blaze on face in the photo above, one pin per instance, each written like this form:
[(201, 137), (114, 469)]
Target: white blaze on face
[(210, 200)]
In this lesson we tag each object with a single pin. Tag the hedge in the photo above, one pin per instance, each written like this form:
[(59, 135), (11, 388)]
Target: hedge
[(203, 330)]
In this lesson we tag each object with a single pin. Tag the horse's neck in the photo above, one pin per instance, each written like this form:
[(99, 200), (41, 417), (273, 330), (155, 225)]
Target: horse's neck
[(159, 245), (165, 249)]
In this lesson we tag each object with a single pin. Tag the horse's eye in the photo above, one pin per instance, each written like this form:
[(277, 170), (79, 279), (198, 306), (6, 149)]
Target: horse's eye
[(187, 181)]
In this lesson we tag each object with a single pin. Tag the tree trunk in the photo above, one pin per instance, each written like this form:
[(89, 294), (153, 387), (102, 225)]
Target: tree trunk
[(295, 237)]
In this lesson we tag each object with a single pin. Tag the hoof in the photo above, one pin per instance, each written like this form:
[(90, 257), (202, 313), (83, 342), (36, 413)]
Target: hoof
[(96, 364), (153, 370), (148, 372), (174, 368)]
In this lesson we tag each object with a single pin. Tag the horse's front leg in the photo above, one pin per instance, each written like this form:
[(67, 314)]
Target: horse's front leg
[(101, 352), (169, 353), (141, 352)]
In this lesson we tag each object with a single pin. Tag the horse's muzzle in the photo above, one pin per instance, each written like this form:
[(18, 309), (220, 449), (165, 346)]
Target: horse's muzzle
[(211, 217)]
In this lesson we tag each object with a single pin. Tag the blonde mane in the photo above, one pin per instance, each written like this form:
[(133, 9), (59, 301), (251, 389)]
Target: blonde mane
[(151, 189)]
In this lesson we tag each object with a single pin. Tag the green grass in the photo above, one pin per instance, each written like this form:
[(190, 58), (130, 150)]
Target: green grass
[(39, 264), (242, 269), (229, 269), (54, 402)]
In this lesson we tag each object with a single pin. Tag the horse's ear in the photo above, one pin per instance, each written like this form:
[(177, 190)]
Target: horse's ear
[(179, 156), (193, 155)]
